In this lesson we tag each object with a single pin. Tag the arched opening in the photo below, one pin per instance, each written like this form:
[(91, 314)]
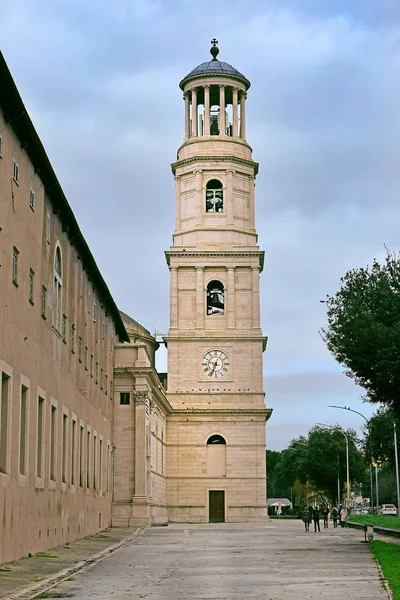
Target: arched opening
[(214, 197), (215, 298), (216, 456), (216, 439), (57, 300)]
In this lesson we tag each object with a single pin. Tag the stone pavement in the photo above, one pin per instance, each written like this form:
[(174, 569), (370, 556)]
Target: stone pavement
[(39, 571), (275, 561)]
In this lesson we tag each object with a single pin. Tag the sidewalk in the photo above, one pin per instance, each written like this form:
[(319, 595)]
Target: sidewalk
[(27, 577)]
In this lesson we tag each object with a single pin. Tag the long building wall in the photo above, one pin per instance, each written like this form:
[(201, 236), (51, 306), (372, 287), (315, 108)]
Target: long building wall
[(56, 370)]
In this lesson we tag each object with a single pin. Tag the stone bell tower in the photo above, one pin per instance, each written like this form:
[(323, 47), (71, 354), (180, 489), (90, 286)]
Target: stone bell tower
[(216, 433)]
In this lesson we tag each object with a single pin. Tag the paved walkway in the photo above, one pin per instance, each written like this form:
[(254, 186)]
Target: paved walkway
[(275, 561)]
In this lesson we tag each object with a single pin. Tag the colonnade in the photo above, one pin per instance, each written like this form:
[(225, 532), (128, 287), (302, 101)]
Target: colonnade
[(191, 99)]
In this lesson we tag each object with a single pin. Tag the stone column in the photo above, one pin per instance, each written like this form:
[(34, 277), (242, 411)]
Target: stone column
[(235, 112), (200, 200), (243, 96), (221, 120), (174, 298), (194, 113), (206, 110), (252, 217), (177, 203), (199, 298), (187, 115), (230, 299), (228, 197), (255, 297)]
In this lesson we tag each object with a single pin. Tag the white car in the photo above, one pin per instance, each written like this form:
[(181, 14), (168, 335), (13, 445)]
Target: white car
[(387, 509)]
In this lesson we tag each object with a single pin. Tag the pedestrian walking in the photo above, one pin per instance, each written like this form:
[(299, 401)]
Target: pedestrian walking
[(315, 517), (343, 516), (325, 512), (306, 518), (334, 515)]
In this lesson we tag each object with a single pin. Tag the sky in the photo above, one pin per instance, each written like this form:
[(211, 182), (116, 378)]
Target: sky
[(100, 81)]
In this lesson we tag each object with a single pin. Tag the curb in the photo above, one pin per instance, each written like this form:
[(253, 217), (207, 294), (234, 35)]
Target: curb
[(46, 584)]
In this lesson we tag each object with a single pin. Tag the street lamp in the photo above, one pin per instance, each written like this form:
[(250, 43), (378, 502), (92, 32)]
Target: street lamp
[(397, 469), (370, 458), (347, 457)]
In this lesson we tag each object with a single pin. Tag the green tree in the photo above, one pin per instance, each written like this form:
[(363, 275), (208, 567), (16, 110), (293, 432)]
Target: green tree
[(379, 439), (363, 331)]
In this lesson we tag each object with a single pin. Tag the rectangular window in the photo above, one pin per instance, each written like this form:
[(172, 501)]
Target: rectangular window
[(81, 433), (64, 449), (53, 446), (44, 292), (48, 227), (88, 460), (73, 444), (64, 328), (73, 339), (40, 440), (101, 465), (124, 398), (4, 412), (86, 358), (23, 430), (94, 312), (94, 461), (15, 266), (31, 278), (32, 200), (80, 349), (97, 372), (16, 172), (91, 365)]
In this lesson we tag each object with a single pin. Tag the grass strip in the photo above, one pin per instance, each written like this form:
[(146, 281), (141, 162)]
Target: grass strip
[(388, 557), (392, 522)]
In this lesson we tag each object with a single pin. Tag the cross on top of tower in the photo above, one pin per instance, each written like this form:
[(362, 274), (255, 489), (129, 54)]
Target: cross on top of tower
[(214, 49)]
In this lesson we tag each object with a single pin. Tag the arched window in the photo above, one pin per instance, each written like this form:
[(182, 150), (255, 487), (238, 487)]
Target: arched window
[(57, 300), (214, 197), (216, 439), (215, 298)]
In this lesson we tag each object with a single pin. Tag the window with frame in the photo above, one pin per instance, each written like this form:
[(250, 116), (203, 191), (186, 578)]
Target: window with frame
[(16, 172), (215, 297), (64, 328), (214, 197), (43, 303), (15, 266), (80, 349), (73, 339), (57, 287), (124, 398), (32, 199), (31, 279)]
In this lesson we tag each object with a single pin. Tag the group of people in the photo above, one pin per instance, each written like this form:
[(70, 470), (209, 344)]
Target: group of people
[(312, 514)]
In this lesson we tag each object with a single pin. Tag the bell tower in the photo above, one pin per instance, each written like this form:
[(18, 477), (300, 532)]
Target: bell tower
[(216, 433)]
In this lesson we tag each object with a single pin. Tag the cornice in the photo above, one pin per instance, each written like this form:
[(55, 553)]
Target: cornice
[(233, 158), (208, 253), (224, 411)]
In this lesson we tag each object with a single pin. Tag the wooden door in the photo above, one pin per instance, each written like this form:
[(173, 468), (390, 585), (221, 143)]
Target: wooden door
[(217, 506)]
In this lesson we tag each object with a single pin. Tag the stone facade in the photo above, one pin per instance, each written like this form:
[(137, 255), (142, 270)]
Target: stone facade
[(215, 343), (58, 327)]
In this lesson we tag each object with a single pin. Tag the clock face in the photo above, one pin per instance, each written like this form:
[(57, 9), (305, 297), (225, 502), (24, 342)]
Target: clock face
[(215, 364)]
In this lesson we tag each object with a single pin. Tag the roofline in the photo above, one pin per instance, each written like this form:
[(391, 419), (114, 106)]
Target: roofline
[(17, 117), (189, 77)]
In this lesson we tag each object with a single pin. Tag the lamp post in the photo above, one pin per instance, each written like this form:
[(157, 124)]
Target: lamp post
[(347, 457), (303, 444), (370, 458)]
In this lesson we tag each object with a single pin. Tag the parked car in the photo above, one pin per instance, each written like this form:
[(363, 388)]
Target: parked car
[(387, 509), (365, 510)]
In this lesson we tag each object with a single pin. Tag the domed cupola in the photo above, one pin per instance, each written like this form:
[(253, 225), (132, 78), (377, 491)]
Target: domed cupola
[(215, 99)]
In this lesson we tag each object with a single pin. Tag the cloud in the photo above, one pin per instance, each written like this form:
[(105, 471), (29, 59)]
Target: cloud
[(100, 81)]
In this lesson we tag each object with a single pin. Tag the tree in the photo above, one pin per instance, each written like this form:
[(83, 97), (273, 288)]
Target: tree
[(379, 440), (363, 331)]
